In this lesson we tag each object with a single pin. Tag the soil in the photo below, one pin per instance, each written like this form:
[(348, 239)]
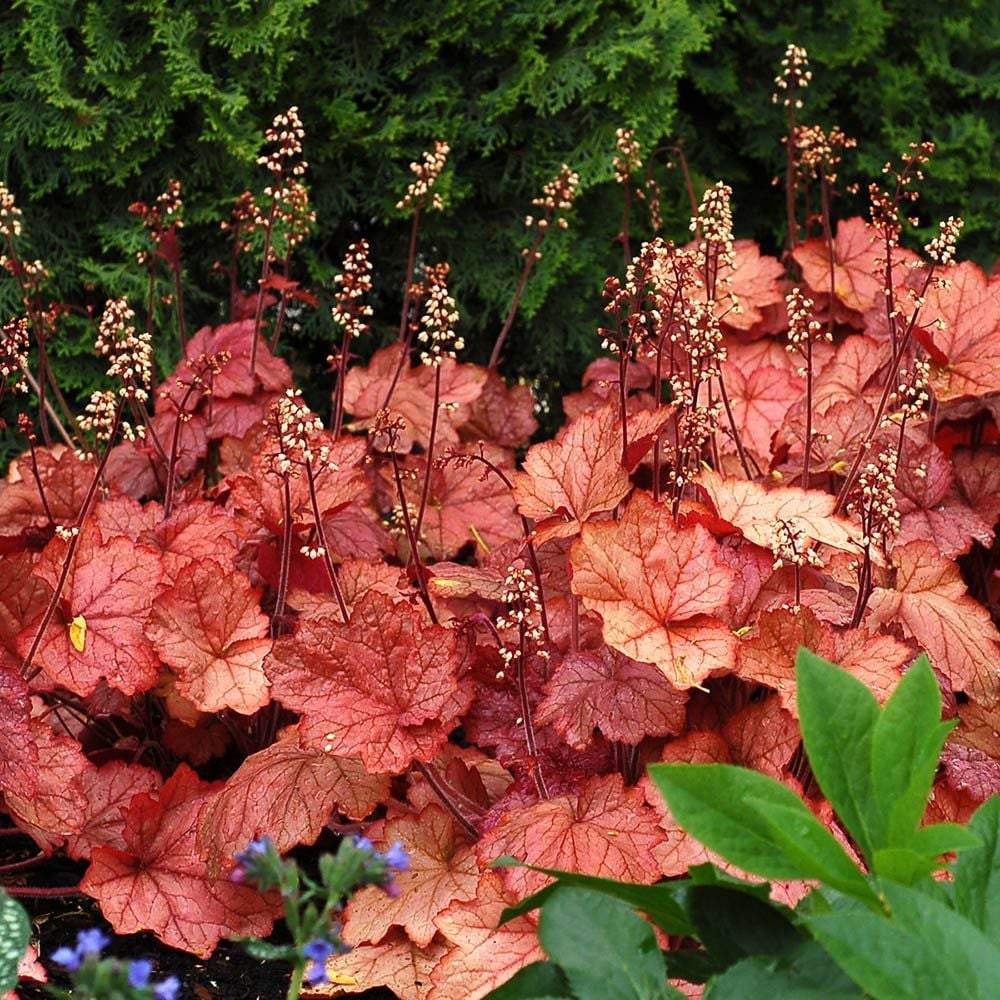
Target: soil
[(230, 974)]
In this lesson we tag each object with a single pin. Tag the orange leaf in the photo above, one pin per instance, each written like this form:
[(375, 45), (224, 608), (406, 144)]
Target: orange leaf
[(108, 791), (287, 792), (396, 964), (442, 869), (111, 583), (209, 628), (856, 280), (656, 587), (383, 688), (413, 397), (966, 352), (604, 830), (578, 474), (929, 601), (606, 690), (160, 883), (484, 955), (754, 508)]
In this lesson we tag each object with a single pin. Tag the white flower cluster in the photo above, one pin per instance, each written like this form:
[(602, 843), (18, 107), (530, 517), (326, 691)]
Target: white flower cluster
[(292, 425), (428, 170), (628, 159), (795, 74), (285, 134), (523, 614), (10, 214), (355, 281), (14, 349), (437, 326), (98, 418), (941, 249), (130, 353), (791, 545)]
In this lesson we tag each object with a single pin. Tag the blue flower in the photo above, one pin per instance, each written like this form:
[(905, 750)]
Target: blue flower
[(319, 950), (139, 972), (363, 844), (169, 989), (68, 958), (397, 858), (91, 942), (255, 850), (248, 859)]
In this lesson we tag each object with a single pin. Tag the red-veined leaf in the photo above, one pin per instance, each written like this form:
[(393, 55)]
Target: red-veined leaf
[(209, 629), (657, 588), (604, 830), (384, 688), (160, 883), (442, 869), (111, 585), (604, 689), (287, 792)]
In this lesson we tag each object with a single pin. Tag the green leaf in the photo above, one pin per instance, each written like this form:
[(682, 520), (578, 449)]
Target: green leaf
[(747, 818), (903, 956), (606, 950), (664, 904), (15, 930), (733, 925), (941, 838), (803, 837), (759, 978), (267, 952), (906, 746), (537, 981), (903, 865), (838, 715), (977, 872)]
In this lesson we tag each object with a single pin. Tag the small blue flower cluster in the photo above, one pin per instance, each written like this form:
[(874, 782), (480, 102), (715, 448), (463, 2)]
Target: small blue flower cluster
[(84, 962), (357, 864)]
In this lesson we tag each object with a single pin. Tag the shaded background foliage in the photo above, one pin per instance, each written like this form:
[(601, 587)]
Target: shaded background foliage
[(103, 101)]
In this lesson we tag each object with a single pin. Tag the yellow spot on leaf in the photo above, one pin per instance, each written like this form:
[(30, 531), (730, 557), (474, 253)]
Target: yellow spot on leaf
[(342, 979), (78, 633)]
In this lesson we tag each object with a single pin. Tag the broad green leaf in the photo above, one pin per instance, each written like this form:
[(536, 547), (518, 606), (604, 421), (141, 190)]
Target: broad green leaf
[(759, 977), (906, 746), (903, 865), (977, 872), (537, 981), (886, 961), (15, 930), (728, 808), (708, 874), (664, 904), (926, 949), (940, 838), (733, 925), (605, 949), (804, 838), (838, 715)]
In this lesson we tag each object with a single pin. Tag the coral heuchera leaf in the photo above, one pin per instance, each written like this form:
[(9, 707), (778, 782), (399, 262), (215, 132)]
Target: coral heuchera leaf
[(657, 588), (566, 480), (111, 585), (209, 628), (442, 870), (384, 687), (160, 880)]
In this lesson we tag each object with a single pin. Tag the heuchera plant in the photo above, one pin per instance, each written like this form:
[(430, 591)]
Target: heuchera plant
[(221, 617), (873, 924)]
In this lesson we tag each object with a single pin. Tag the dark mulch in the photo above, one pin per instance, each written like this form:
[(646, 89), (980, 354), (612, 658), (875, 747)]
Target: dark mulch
[(230, 974)]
